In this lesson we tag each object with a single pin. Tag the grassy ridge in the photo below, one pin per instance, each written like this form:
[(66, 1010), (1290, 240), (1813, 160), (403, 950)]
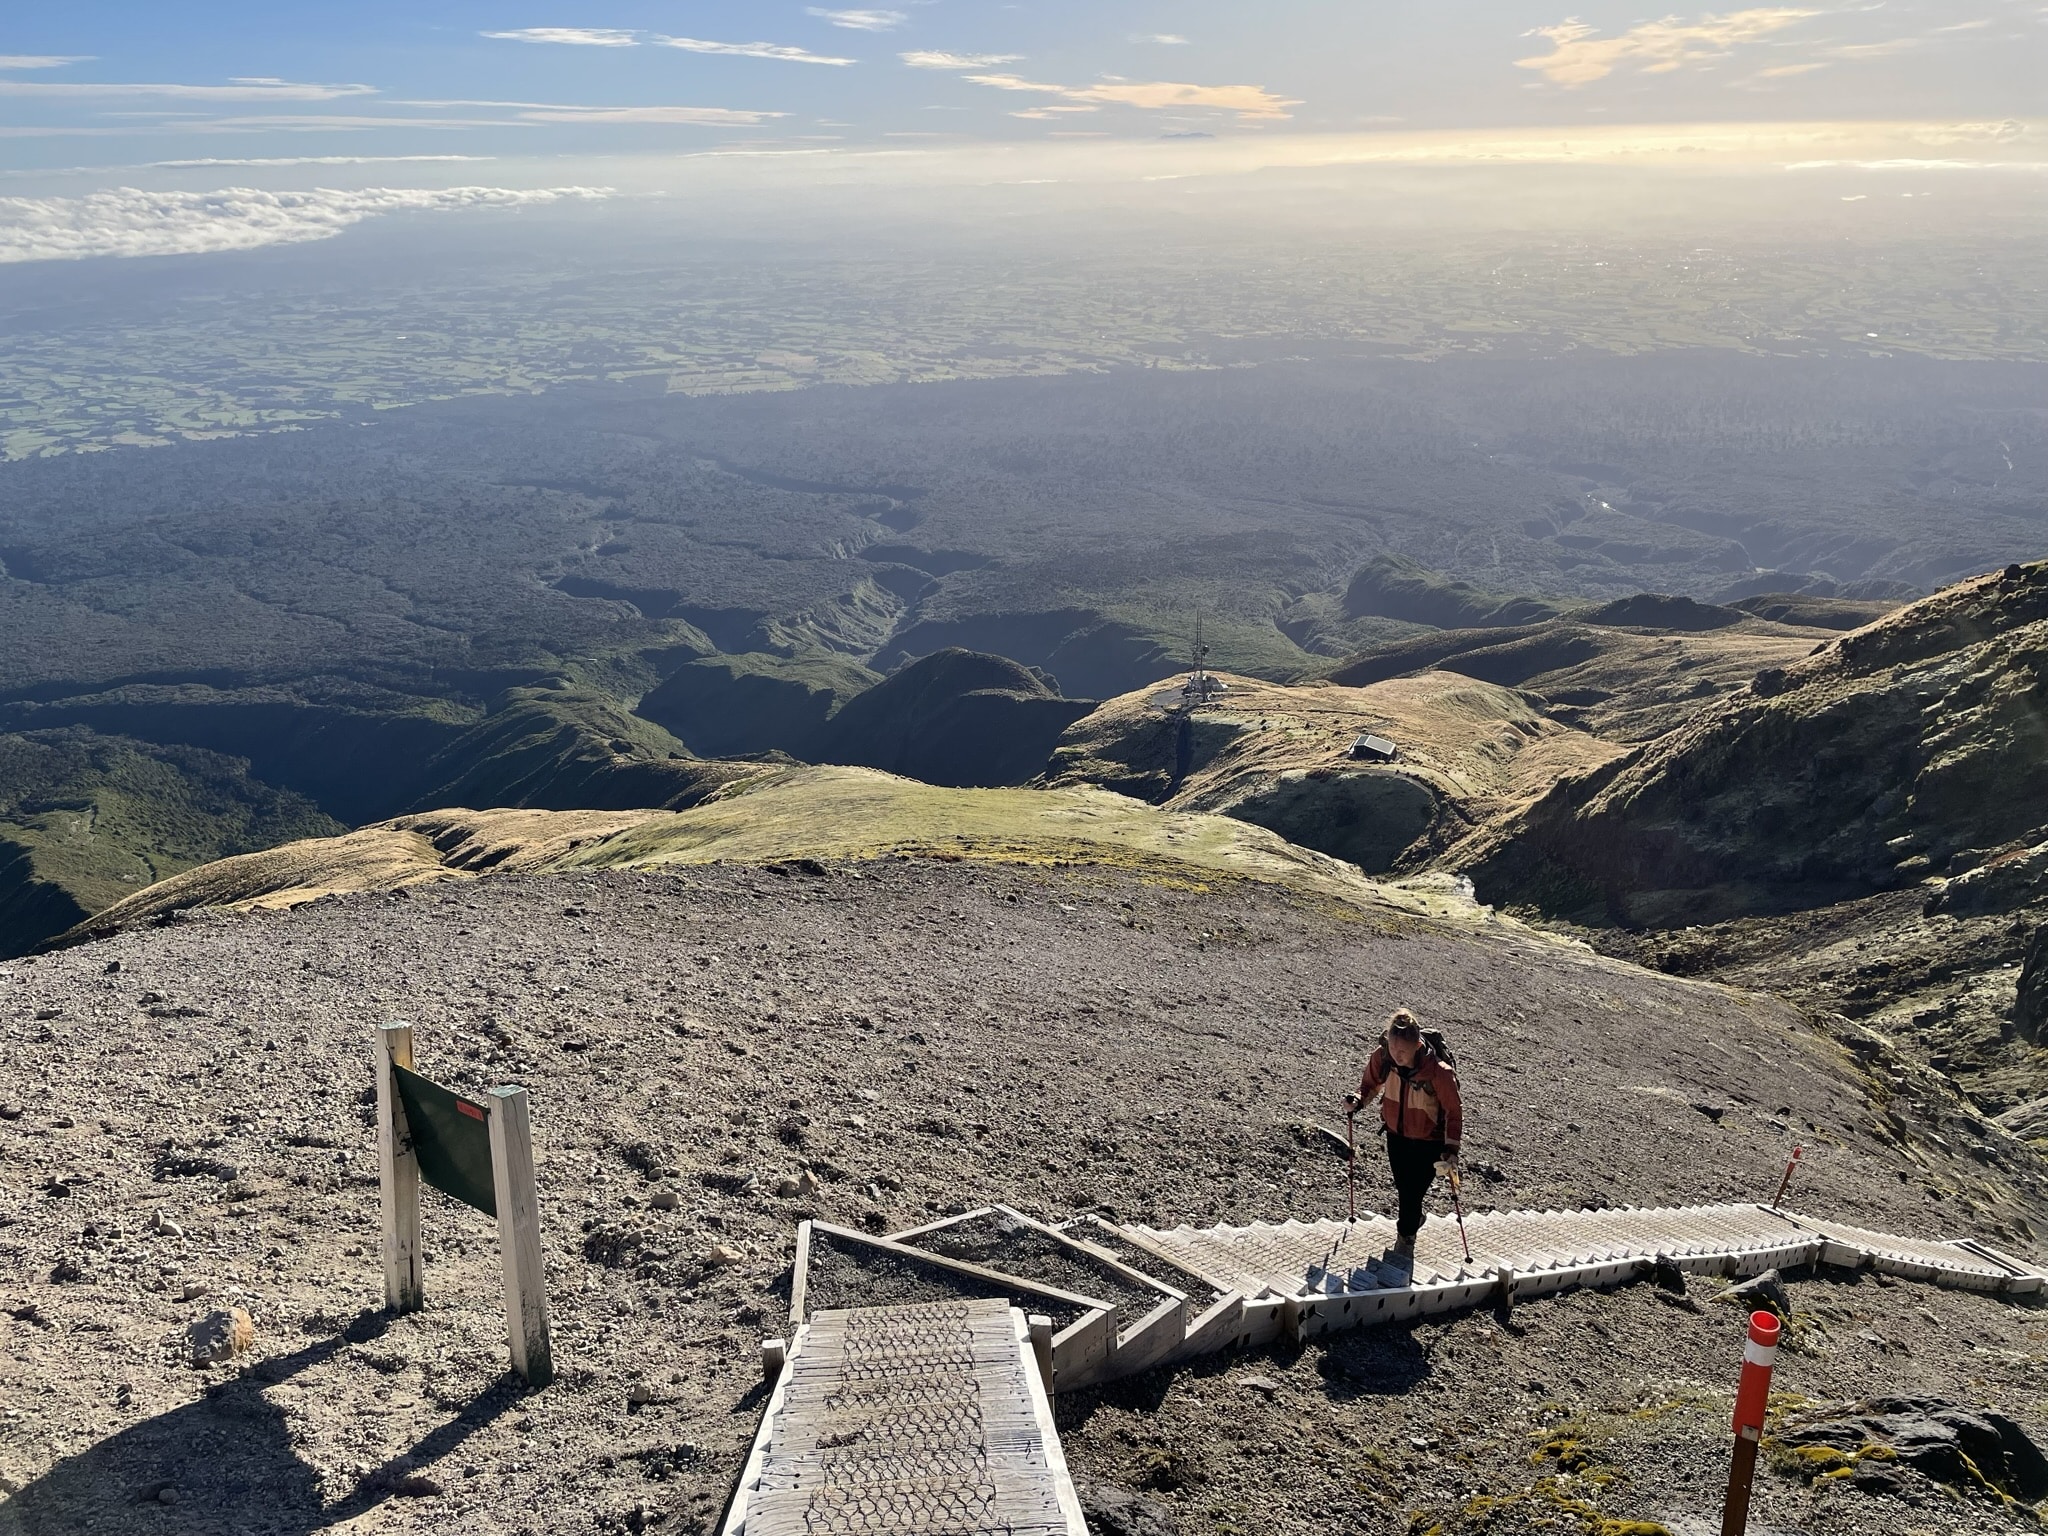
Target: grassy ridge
[(787, 814)]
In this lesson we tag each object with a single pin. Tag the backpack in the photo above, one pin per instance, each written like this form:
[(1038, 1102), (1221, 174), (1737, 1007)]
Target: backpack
[(1434, 1039)]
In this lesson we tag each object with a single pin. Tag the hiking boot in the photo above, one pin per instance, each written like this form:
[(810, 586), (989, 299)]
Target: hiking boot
[(1404, 1246)]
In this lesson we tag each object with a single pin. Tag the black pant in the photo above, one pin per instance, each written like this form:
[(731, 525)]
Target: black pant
[(1414, 1165)]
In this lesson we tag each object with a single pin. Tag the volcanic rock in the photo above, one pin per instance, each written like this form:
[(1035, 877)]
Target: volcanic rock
[(220, 1336)]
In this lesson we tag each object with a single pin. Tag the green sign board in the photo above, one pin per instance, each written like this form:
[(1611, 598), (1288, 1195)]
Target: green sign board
[(451, 1137)]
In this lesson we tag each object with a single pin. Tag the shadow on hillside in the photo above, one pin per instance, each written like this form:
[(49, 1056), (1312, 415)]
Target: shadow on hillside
[(1372, 1362), (228, 1462), (1375, 1362)]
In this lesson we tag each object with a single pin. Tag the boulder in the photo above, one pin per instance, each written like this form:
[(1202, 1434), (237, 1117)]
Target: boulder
[(220, 1336), (1113, 1511), (1765, 1290), (1949, 1442)]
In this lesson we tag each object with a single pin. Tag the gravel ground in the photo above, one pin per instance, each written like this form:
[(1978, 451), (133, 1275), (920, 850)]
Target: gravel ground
[(996, 1242), (843, 1276), (192, 1130), (1617, 1403)]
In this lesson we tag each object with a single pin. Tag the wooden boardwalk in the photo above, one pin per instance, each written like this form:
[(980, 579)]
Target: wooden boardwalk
[(935, 1419), (1312, 1260), (927, 1419)]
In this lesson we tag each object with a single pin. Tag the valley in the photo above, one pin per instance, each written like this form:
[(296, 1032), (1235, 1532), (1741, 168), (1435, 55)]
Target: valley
[(803, 793), (572, 601)]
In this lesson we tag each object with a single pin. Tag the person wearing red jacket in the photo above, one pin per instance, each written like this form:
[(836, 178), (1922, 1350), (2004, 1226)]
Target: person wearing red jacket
[(1422, 1115)]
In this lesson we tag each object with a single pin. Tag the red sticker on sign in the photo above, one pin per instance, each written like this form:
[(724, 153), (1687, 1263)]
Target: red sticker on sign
[(469, 1109)]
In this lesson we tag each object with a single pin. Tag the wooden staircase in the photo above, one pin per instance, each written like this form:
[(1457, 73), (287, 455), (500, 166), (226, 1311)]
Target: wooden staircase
[(934, 1417)]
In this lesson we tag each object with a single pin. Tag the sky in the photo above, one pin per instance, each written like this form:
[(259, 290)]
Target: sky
[(120, 121)]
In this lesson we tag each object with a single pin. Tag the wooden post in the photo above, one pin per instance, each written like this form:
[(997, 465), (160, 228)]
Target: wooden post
[(799, 1277), (1039, 1330), (398, 1176), (526, 1295)]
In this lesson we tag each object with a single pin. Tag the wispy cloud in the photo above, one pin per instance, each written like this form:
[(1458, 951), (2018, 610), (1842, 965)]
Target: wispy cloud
[(239, 90), (575, 37), (159, 123), (1170, 39), (1247, 101), (1017, 83), (693, 117), (42, 60), (749, 50), (931, 59), (185, 165), (861, 21), (1880, 50), (569, 112), (129, 222), (1579, 55), (615, 37)]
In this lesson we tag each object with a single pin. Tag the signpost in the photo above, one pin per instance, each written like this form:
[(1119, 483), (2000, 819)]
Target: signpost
[(480, 1154)]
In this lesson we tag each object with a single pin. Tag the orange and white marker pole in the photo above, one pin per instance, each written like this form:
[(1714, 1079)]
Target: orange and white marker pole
[(1786, 1182), (1759, 1357)]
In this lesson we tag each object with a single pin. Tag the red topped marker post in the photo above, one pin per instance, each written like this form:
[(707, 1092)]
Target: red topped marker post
[(1759, 1359)]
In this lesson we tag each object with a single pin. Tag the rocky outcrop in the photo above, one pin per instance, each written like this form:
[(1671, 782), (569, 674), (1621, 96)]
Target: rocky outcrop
[(2030, 1007), (1864, 767), (1973, 1449)]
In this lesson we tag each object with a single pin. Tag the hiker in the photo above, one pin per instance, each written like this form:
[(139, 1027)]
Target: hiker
[(1416, 1079)]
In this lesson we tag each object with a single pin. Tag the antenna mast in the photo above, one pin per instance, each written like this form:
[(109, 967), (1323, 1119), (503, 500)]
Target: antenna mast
[(1200, 685)]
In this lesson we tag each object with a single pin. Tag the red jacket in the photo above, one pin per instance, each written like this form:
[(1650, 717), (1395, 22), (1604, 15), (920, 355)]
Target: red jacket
[(1423, 1105)]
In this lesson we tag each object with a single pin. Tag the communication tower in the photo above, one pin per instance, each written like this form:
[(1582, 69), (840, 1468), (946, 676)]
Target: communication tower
[(1201, 685)]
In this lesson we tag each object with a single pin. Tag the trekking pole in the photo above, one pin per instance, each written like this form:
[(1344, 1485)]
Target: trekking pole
[(1351, 1161), (1458, 1205)]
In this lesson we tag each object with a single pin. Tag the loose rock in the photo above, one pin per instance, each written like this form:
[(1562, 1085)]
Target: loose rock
[(1765, 1290), (1113, 1511), (220, 1336)]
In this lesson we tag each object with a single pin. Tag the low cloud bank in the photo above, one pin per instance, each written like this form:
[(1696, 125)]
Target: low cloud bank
[(126, 221)]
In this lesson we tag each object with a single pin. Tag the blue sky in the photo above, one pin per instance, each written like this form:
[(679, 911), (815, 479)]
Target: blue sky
[(100, 82), (145, 129)]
